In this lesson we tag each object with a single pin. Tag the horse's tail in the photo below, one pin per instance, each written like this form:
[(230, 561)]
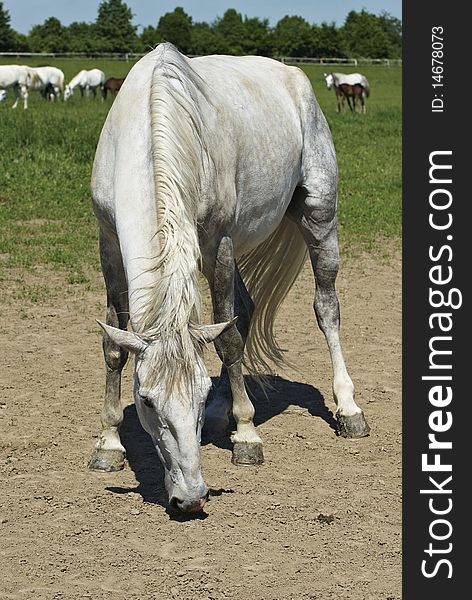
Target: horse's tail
[(32, 78), (61, 83), (269, 271)]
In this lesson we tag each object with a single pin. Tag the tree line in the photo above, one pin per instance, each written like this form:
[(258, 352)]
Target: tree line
[(362, 35)]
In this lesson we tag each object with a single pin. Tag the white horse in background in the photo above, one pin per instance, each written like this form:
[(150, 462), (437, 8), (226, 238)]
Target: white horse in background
[(224, 164), (348, 85), (20, 79), (50, 80), (85, 81)]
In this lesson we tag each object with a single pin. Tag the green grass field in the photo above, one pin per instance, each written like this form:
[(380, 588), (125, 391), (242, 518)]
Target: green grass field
[(46, 156)]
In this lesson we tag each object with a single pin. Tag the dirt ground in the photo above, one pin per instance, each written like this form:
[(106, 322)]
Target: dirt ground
[(321, 519)]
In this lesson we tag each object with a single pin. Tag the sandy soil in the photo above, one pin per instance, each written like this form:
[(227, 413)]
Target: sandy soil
[(319, 520)]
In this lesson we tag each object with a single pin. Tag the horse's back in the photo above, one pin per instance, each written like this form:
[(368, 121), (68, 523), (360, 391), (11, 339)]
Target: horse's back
[(351, 79), (261, 128), (95, 76), (12, 74)]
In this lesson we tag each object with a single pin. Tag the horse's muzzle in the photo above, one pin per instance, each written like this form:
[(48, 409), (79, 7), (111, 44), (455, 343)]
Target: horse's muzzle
[(189, 506)]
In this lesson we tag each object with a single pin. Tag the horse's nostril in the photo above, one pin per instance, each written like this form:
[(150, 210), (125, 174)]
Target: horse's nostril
[(175, 502)]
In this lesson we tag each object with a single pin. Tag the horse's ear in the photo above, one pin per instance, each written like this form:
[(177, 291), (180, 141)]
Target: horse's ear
[(125, 339), (209, 333)]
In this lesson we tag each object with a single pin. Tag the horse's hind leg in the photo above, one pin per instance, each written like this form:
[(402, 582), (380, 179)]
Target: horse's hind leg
[(109, 453), (247, 449), (24, 93), (314, 210)]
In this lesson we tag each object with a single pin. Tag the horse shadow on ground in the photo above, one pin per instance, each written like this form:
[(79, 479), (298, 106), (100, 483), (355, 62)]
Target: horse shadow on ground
[(144, 462)]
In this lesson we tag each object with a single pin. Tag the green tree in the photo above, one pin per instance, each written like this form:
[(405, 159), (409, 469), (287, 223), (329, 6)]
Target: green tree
[(257, 39), (51, 36), (7, 35), (327, 41), (231, 27), (293, 36), (393, 29), (115, 31), (83, 37), (149, 39), (205, 40), (176, 27), (20, 42), (364, 36)]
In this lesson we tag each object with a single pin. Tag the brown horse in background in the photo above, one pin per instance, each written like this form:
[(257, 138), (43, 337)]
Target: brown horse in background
[(113, 84), (346, 92)]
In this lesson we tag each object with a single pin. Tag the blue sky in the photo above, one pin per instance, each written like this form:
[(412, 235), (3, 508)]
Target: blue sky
[(26, 13)]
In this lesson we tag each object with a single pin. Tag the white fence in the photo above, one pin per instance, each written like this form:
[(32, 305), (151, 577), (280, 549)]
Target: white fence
[(308, 60), (303, 60)]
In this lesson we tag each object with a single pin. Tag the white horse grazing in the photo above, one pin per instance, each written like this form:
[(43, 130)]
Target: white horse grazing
[(19, 78), (49, 78), (224, 164), (85, 81), (346, 86)]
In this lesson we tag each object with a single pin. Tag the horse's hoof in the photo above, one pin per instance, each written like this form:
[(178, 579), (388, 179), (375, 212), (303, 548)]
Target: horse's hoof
[(107, 461), (354, 426), (247, 454)]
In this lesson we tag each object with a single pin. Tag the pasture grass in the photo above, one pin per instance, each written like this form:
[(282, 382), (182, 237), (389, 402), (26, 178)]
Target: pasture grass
[(46, 156), (368, 148)]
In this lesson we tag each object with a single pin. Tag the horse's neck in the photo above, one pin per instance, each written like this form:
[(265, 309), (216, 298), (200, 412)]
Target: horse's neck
[(79, 79)]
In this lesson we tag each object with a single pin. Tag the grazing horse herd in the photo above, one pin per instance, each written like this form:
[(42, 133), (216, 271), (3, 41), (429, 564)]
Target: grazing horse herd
[(49, 81)]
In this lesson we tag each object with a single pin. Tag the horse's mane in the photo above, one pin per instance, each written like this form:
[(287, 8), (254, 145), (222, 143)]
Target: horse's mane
[(179, 156)]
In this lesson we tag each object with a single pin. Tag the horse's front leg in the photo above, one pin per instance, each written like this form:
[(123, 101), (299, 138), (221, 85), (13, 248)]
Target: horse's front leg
[(16, 94), (109, 452), (247, 449), (219, 408), (339, 99)]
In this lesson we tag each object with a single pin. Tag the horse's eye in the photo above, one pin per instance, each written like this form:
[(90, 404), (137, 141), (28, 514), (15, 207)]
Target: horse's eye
[(147, 401)]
